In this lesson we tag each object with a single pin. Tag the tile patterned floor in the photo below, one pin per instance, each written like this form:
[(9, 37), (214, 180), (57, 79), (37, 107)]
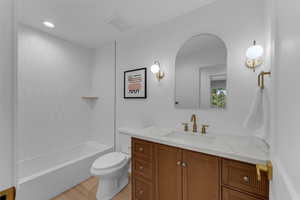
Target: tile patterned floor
[(87, 191)]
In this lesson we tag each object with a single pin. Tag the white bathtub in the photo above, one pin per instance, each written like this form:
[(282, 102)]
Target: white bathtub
[(44, 177)]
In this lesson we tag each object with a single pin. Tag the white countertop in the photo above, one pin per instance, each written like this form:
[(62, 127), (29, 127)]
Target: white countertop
[(242, 148)]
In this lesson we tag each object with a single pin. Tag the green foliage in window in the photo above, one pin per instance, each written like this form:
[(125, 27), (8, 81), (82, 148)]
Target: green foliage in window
[(218, 98)]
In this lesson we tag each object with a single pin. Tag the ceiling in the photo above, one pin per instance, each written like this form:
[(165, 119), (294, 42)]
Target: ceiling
[(94, 22)]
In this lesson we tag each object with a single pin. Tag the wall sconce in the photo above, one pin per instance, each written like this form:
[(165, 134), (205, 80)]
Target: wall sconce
[(254, 56), (155, 69)]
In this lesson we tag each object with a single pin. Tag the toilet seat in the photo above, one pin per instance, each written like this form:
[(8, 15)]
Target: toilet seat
[(109, 161)]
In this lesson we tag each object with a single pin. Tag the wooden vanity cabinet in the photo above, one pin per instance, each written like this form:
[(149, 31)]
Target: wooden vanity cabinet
[(161, 172), (142, 170), (168, 173), (228, 194), (243, 176), (201, 176)]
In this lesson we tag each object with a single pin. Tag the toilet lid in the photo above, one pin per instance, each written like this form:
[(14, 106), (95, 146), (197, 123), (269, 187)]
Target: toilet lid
[(109, 160)]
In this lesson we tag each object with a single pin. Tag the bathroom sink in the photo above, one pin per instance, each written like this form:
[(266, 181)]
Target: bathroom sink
[(191, 138)]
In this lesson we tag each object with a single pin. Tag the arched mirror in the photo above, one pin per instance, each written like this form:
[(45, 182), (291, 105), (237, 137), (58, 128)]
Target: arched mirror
[(201, 73)]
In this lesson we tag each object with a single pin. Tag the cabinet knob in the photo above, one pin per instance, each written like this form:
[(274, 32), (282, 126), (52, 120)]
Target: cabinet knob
[(178, 163), (141, 192), (141, 167), (141, 149), (183, 164), (246, 179)]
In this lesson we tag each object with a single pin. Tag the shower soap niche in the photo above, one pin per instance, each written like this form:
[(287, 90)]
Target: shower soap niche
[(90, 97)]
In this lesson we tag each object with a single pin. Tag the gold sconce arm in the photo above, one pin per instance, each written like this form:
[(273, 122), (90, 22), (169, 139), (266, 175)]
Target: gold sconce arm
[(160, 75), (261, 79), (268, 168)]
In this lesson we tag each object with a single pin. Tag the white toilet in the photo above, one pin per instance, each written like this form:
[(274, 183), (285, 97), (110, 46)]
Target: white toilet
[(112, 170)]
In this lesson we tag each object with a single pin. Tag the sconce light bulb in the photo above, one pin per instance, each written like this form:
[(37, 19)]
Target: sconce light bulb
[(255, 52), (155, 68), (48, 24)]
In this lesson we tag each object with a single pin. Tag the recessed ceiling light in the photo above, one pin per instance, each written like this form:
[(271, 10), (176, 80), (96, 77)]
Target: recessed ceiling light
[(49, 24)]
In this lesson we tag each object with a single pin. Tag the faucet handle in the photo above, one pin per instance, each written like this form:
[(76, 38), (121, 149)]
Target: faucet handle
[(186, 126), (204, 127)]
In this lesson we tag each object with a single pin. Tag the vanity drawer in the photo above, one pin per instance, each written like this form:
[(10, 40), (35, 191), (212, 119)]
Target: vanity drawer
[(142, 148), (228, 194), (143, 190), (142, 168), (244, 177)]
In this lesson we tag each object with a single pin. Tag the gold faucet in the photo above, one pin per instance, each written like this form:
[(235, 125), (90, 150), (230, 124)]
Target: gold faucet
[(194, 120)]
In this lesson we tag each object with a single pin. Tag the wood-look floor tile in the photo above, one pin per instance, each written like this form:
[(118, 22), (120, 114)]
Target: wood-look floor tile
[(87, 191)]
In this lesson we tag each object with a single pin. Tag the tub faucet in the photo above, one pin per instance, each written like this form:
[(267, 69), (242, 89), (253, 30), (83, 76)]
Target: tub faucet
[(194, 121)]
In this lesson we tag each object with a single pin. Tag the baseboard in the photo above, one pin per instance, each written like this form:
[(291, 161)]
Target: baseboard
[(281, 186), (9, 194)]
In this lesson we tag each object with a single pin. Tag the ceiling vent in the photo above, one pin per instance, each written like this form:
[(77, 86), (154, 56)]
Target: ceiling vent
[(119, 24)]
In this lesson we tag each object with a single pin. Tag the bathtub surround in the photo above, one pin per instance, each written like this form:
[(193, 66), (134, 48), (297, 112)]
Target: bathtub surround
[(53, 74), (48, 176), (54, 119), (232, 21), (7, 98), (103, 86)]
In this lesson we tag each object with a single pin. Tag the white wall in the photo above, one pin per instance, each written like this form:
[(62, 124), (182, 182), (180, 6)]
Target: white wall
[(286, 184), (103, 86), (234, 22), (6, 94), (53, 74)]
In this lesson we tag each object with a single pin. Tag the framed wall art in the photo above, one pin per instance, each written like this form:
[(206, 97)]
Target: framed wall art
[(135, 84)]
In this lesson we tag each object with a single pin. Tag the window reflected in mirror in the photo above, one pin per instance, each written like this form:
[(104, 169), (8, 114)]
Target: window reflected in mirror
[(218, 93)]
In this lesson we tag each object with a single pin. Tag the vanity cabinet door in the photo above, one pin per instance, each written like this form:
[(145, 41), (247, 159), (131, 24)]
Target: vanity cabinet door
[(168, 173), (201, 176)]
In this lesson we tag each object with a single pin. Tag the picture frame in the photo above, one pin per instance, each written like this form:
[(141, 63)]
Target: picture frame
[(135, 84)]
